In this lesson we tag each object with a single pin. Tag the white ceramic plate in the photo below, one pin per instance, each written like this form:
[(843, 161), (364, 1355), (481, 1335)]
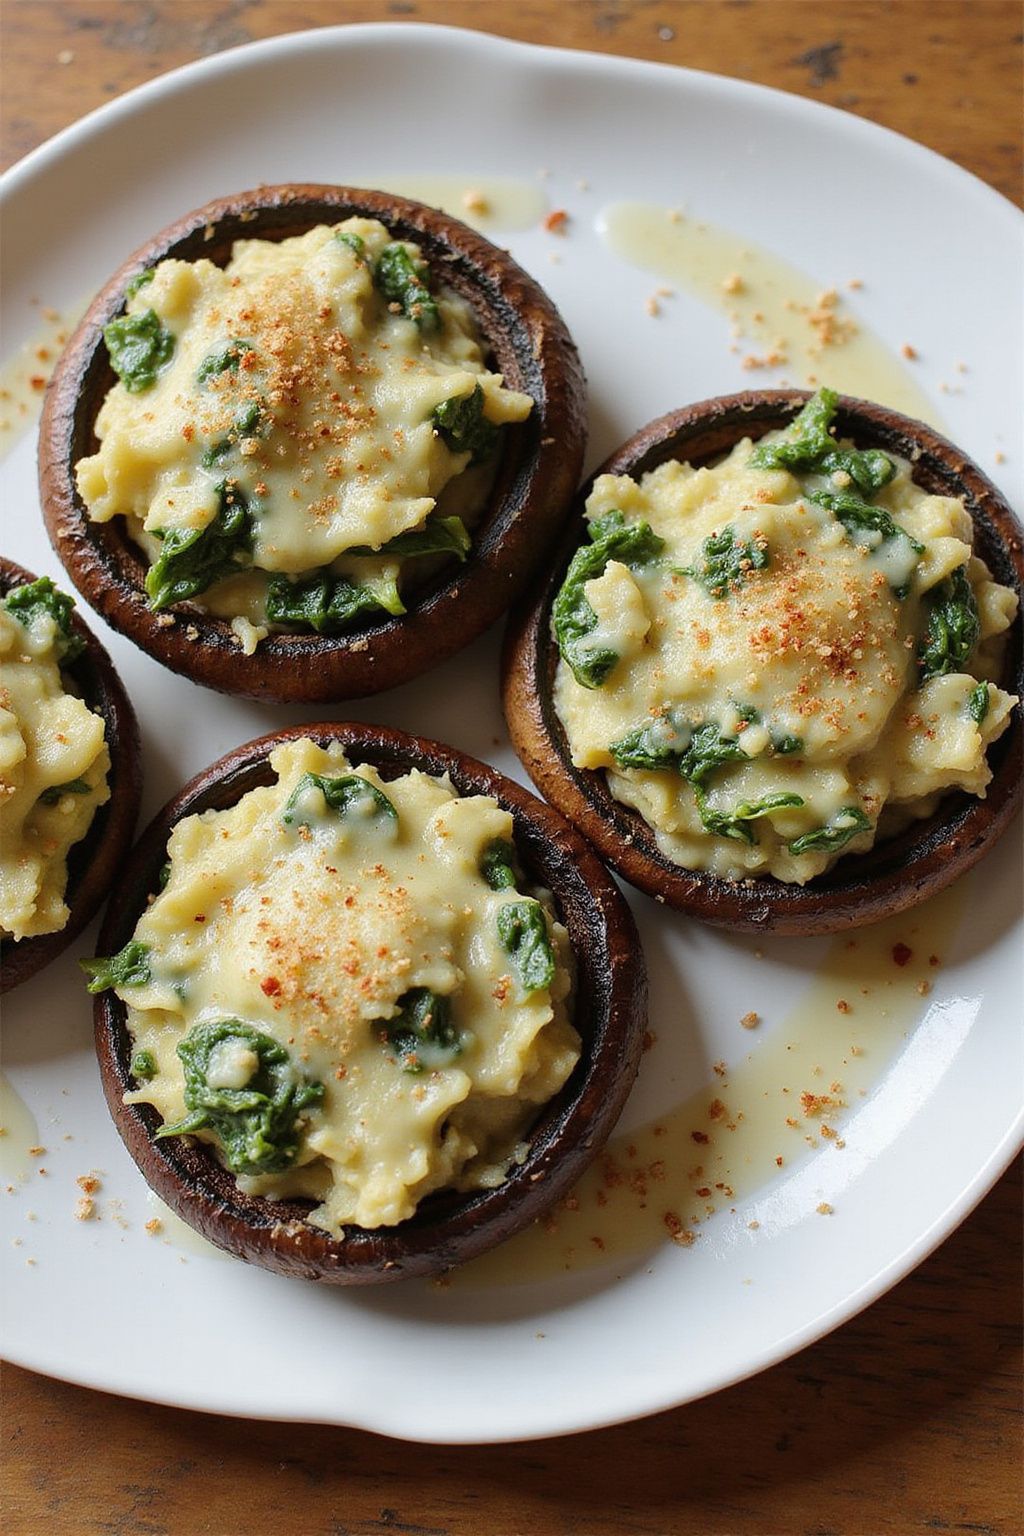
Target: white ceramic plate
[(937, 1113)]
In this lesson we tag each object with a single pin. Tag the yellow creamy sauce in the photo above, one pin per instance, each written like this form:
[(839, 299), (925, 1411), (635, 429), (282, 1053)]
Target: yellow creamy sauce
[(782, 323), (313, 933), (49, 739), (296, 389), (788, 1106), (809, 664), (24, 376)]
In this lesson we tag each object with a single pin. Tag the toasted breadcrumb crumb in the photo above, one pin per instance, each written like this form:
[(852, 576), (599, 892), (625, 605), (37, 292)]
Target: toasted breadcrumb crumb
[(824, 1209), (750, 1020)]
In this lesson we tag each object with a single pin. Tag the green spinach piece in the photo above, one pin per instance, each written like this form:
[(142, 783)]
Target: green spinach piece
[(328, 603), (192, 559), (810, 446), (139, 346), (858, 517), (978, 701), (734, 823), (341, 795), (786, 745), (462, 426), (438, 536), (355, 243), (611, 538), (726, 562), (225, 359), (421, 1034), (256, 1126), (403, 281), (953, 627), (55, 793), (709, 749), (251, 421), (498, 865), (140, 280), (656, 744), (846, 824), (524, 934), (35, 598), (128, 968), (143, 1066)]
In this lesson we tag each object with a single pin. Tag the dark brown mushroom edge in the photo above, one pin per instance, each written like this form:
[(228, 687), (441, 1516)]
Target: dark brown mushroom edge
[(537, 471), (863, 888), (94, 862), (609, 1009)]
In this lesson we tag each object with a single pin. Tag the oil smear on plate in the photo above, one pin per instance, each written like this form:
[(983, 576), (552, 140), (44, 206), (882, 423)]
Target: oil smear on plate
[(792, 1099), (169, 1228), (485, 202), (19, 1135), (784, 327), (24, 377)]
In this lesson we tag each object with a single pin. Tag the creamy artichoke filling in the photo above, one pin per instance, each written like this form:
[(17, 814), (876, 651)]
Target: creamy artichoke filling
[(290, 429), (345, 989), (53, 760), (780, 657)]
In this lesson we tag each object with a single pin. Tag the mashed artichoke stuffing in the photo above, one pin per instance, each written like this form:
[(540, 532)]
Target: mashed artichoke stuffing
[(779, 658), (53, 760), (289, 429), (342, 987)]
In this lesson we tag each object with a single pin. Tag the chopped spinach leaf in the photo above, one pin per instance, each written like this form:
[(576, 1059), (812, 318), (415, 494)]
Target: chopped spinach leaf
[(355, 243), (256, 1125), (858, 517), (192, 559), (251, 421), (56, 792), (846, 824), (140, 280), (612, 538), (524, 933), (128, 968), (139, 346), (35, 598), (403, 281), (143, 1066), (978, 701), (421, 1034), (726, 562), (328, 603), (734, 823), (438, 536), (164, 875), (786, 745), (709, 749), (498, 865), (953, 626), (461, 424), (225, 359), (349, 791), (658, 743), (809, 446)]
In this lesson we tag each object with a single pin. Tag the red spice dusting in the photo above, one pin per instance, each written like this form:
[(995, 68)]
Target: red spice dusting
[(270, 986)]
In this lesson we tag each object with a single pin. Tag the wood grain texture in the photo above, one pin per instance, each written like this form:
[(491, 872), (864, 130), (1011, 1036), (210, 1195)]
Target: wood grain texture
[(905, 1421)]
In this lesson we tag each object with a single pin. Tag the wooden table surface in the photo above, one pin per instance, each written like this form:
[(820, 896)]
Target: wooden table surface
[(905, 1420)]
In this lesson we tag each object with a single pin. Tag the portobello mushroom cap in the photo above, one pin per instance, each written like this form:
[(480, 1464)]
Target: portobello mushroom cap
[(609, 1009), (95, 860), (862, 888), (536, 474)]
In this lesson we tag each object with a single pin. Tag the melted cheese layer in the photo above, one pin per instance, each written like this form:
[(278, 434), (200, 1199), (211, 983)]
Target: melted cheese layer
[(817, 647), (48, 739), (312, 935)]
